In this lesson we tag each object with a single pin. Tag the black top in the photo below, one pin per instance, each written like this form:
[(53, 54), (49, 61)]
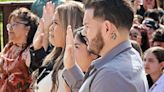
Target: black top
[(141, 11), (37, 57), (150, 81)]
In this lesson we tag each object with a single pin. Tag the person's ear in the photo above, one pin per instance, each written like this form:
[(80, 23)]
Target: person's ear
[(162, 65), (107, 26), (111, 30), (106, 29)]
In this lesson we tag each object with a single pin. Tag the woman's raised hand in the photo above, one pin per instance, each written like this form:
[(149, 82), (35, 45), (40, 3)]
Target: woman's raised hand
[(48, 13), (69, 58), (41, 36), (38, 38)]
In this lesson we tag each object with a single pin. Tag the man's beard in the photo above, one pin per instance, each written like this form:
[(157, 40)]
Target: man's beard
[(96, 44)]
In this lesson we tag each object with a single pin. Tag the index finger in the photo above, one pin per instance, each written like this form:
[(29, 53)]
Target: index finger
[(69, 36)]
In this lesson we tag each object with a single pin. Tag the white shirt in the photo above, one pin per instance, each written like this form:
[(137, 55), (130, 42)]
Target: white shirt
[(158, 86), (45, 85)]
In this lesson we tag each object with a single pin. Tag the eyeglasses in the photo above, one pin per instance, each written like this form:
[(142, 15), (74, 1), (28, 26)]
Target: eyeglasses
[(10, 26)]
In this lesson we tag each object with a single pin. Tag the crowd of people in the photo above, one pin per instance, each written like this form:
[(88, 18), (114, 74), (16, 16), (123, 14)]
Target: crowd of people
[(85, 46)]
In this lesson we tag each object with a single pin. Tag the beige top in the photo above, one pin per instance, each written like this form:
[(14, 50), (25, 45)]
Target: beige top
[(45, 85)]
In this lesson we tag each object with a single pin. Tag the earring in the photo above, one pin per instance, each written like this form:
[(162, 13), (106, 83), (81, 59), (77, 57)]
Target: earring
[(113, 36)]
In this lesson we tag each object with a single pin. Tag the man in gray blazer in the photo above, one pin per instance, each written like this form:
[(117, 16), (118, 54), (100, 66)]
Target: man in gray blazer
[(119, 68)]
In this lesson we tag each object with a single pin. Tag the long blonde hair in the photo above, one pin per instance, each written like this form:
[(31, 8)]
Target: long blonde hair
[(70, 13)]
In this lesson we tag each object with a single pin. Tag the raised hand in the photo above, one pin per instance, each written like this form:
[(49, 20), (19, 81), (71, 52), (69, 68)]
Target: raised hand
[(38, 38), (69, 58), (48, 13), (41, 36)]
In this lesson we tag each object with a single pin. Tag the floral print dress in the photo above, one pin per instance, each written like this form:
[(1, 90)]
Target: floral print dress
[(14, 74)]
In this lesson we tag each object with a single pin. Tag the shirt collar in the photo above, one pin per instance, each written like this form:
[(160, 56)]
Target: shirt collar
[(161, 79), (111, 54)]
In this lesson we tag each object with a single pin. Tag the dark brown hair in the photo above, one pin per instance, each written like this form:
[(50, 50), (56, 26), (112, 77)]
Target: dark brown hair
[(78, 34), (119, 12), (31, 20), (158, 52)]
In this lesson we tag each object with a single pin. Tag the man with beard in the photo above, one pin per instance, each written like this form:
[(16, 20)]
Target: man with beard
[(119, 68)]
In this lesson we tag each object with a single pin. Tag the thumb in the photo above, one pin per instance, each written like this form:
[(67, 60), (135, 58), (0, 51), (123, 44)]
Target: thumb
[(41, 24), (40, 38), (37, 44)]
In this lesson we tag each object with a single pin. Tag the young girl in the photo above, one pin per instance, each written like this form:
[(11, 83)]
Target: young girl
[(154, 65), (82, 55)]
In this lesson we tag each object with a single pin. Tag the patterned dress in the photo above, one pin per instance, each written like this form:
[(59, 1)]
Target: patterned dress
[(14, 74)]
